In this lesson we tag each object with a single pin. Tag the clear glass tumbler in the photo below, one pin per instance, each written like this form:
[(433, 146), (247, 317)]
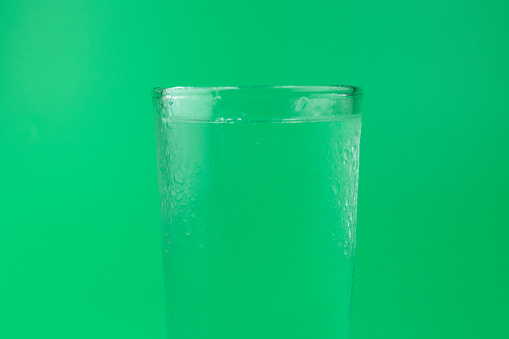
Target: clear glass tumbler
[(258, 193)]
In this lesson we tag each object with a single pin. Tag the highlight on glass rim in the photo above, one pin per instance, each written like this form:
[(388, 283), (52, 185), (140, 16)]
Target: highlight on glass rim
[(258, 190)]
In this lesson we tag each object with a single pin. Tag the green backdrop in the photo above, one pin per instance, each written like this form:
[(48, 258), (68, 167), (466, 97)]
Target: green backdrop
[(79, 209)]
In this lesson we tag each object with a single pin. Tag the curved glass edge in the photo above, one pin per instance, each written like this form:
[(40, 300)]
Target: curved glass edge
[(158, 92), (288, 104)]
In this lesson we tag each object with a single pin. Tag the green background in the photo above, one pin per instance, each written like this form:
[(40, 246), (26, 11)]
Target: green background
[(79, 210)]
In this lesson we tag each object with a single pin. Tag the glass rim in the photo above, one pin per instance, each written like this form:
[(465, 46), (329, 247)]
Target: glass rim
[(343, 90), (250, 103)]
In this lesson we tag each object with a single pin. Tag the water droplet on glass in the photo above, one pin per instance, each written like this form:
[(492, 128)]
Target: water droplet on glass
[(300, 104)]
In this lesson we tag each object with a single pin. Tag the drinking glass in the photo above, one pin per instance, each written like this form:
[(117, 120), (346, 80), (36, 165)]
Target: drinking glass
[(258, 191)]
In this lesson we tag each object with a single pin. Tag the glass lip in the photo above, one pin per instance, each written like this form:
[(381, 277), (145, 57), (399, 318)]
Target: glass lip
[(343, 90)]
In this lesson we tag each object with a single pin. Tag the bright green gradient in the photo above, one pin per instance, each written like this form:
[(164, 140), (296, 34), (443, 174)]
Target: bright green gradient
[(79, 205)]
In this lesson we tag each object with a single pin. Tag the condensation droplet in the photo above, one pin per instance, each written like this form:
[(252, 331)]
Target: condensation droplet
[(300, 104)]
